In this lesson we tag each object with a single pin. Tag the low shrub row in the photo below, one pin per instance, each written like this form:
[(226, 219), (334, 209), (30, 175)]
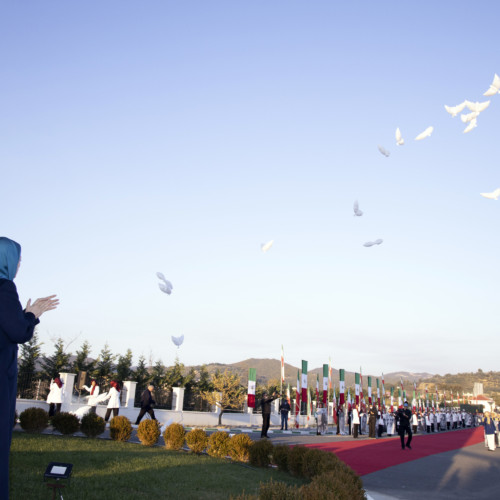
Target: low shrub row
[(330, 477), (219, 444)]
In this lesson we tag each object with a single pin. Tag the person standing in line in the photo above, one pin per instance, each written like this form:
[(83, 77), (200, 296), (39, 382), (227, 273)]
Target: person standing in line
[(355, 421), (489, 431), (448, 419), (284, 409), (428, 422), (405, 425), (16, 327), (372, 421), (114, 400), (265, 404), (94, 392), (340, 415), (414, 422), (147, 403), (55, 395), (380, 423)]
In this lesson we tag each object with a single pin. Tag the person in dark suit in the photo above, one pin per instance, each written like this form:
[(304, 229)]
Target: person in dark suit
[(284, 410), (16, 327), (265, 404), (404, 415), (147, 403)]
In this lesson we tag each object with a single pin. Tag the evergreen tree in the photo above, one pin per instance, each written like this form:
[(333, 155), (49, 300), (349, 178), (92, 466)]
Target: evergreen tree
[(141, 374), (124, 366), (58, 362), (204, 382), (158, 374), (30, 353), (174, 376), (82, 362), (105, 364)]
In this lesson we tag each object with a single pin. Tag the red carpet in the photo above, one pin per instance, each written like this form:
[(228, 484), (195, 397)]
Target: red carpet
[(370, 455)]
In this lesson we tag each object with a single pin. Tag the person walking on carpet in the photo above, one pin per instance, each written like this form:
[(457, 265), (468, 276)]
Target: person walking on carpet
[(404, 415)]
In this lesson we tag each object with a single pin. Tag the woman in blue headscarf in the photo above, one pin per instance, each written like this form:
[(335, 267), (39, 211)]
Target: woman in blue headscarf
[(16, 327)]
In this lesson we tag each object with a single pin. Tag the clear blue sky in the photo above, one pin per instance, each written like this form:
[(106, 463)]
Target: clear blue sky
[(178, 136)]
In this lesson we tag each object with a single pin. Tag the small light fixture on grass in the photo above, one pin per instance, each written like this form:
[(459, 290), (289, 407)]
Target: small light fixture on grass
[(57, 471)]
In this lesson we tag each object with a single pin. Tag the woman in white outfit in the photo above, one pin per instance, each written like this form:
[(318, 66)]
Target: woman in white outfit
[(94, 392), (114, 400), (55, 395)]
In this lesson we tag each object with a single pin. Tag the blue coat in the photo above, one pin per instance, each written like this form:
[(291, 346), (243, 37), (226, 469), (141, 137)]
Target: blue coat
[(16, 327)]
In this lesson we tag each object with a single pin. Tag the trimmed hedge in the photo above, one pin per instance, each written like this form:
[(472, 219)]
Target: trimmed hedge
[(65, 423), (280, 455), (34, 420), (120, 428), (174, 437), (92, 425), (197, 440), (149, 432), (218, 444), (239, 447), (260, 453)]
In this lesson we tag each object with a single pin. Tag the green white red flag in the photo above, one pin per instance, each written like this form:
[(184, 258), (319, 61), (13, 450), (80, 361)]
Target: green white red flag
[(369, 390), (252, 377), (378, 394), (325, 383), (304, 381), (356, 387), (342, 387), (297, 400)]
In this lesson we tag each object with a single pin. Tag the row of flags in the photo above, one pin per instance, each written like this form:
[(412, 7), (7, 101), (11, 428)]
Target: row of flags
[(304, 394)]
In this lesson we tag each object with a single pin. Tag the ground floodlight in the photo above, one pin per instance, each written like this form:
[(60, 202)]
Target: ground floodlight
[(57, 471)]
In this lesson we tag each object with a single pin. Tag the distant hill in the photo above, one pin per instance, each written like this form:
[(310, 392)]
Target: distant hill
[(270, 370)]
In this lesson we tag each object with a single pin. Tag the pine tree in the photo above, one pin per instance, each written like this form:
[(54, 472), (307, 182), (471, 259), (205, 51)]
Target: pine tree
[(105, 364), (124, 366), (174, 376), (204, 382), (30, 353), (158, 374), (141, 374), (58, 362), (82, 362)]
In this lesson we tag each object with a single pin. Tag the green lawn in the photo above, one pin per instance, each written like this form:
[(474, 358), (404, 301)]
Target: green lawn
[(112, 470)]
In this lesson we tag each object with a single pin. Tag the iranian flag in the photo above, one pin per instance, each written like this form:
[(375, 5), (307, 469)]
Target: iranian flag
[(383, 390), (317, 389), (325, 384), (342, 387), (378, 394), (252, 377), (361, 384), (288, 395), (427, 398), (334, 404), (369, 390), (297, 400), (356, 387), (392, 399), (304, 381), (330, 373), (414, 402), (282, 366)]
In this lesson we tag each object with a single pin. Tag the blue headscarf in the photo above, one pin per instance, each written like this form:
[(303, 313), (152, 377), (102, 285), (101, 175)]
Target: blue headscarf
[(10, 253)]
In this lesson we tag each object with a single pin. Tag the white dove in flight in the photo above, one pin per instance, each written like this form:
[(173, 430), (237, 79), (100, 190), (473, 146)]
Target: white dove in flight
[(166, 286), (494, 87), (469, 116), (454, 110), (266, 246), (492, 196), (371, 243), (477, 106), (399, 140), (383, 151), (357, 211), (178, 340), (472, 124), (426, 133)]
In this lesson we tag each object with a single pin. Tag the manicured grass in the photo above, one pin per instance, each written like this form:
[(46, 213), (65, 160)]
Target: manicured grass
[(113, 470)]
